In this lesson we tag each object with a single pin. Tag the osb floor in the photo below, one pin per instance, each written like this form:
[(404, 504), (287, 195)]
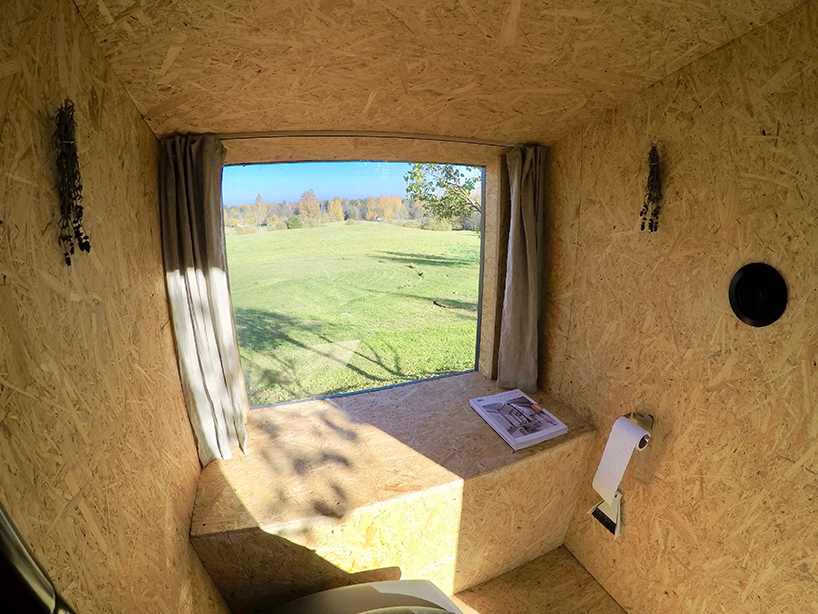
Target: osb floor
[(554, 583)]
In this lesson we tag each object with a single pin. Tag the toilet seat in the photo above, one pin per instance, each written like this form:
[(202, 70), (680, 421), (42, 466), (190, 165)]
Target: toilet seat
[(391, 597)]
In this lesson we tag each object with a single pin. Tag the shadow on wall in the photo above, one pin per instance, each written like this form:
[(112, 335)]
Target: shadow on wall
[(252, 567)]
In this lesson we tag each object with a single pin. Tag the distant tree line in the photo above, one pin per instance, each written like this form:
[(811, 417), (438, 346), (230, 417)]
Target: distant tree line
[(309, 211)]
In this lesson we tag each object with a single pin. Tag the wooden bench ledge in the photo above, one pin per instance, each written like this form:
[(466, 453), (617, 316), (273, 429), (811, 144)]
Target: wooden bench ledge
[(407, 477)]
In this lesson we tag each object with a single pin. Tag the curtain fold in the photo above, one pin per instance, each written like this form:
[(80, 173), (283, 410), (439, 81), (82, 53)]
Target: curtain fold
[(518, 351), (190, 177)]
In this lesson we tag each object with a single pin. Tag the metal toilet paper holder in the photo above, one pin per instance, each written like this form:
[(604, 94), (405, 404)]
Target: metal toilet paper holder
[(641, 419), (610, 514)]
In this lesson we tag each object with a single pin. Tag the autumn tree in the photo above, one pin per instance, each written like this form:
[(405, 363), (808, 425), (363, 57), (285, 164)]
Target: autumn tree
[(308, 206), (335, 211), (415, 209), (445, 190), (369, 212), (384, 207), (260, 210)]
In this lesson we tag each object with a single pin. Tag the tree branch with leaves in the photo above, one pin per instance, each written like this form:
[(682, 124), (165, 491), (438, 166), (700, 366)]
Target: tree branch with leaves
[(445, 190)]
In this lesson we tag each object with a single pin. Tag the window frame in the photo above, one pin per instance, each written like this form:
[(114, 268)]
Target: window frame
[(494, 218)]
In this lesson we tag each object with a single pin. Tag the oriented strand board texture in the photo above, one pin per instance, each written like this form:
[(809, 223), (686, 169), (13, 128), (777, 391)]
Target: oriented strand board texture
[(516, 512), (253, 568), (407, 477), (720, 509), (98, 466), (308, 148), (516, 70), (495, 238), (560, 261), (554, 583)]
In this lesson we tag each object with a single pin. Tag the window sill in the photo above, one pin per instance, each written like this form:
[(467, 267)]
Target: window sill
[(407, 477)]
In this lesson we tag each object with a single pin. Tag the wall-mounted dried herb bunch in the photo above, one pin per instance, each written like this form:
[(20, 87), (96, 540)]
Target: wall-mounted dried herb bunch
[(69, 185), (653, 192)]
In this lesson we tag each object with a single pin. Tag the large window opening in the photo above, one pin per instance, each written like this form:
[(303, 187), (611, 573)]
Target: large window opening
[(348, 276)]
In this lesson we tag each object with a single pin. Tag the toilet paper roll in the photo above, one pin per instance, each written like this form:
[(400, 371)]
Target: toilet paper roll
[(625, 437)]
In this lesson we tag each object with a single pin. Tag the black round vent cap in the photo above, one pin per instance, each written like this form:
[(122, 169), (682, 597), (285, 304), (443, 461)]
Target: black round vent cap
[(758, 294)]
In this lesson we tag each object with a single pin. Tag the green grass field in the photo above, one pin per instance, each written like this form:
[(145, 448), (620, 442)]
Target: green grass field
[(322, 311)]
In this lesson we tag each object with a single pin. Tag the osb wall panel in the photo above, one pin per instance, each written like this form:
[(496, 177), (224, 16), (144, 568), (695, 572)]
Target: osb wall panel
[(720, 508), (517, 71), (495, 240), (408, 478), (515, 513), (564, 168), (307, 148), (253, 569), (98, 467)]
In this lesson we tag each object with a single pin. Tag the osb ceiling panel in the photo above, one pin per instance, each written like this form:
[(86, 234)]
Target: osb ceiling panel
[(512, 71)]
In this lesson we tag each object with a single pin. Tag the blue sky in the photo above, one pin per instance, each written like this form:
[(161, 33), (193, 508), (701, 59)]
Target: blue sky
[(287, 181)]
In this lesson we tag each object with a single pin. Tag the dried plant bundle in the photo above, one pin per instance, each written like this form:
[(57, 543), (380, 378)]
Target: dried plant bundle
[(69, 184), (653, 192)]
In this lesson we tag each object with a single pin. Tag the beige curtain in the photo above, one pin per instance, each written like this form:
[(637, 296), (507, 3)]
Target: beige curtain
[(518, 352), (190, 188)]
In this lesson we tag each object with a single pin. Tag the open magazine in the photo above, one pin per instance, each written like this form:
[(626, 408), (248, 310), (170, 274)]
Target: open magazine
[(518, 418)]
